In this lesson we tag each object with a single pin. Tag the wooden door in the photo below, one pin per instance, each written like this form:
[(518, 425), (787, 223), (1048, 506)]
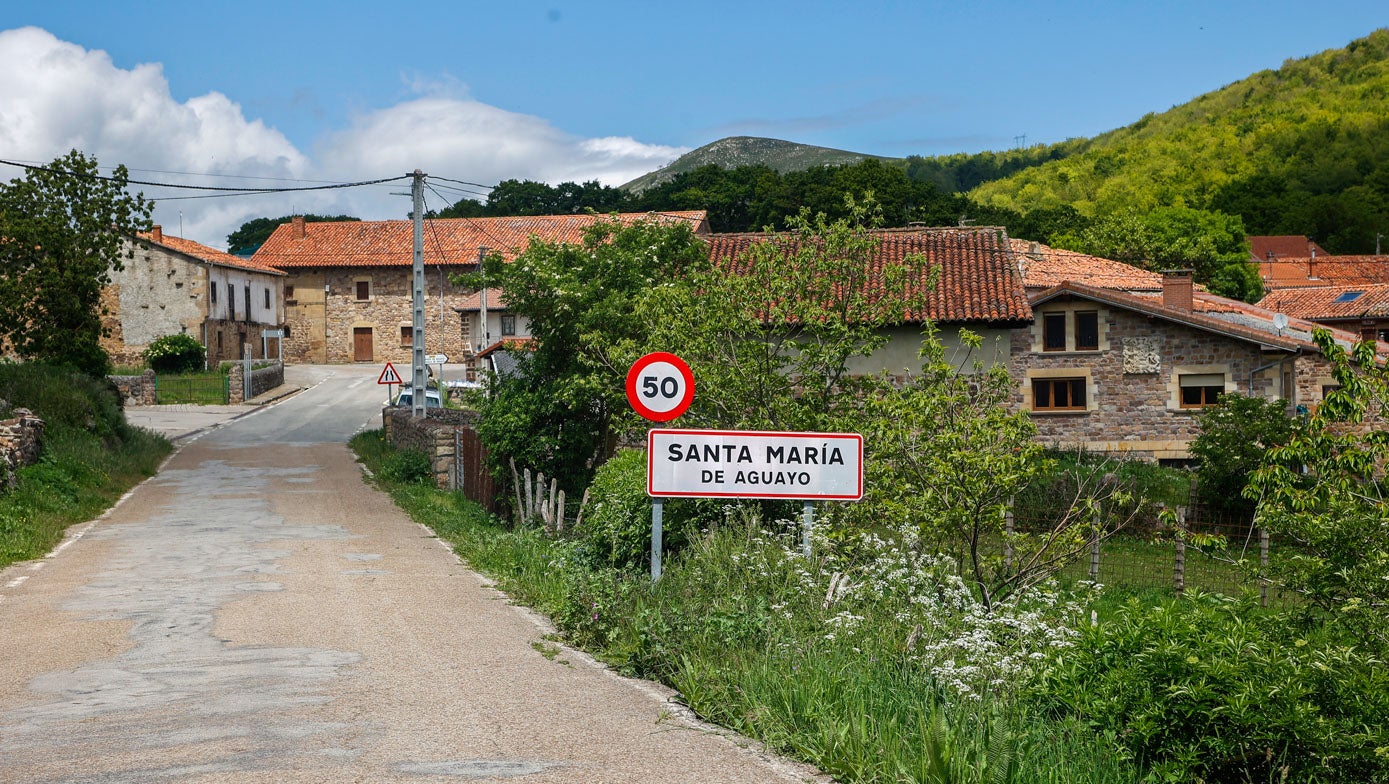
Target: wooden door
[(361, 344)]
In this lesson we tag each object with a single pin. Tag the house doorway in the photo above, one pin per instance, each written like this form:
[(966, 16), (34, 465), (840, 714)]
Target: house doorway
[(361, 344)]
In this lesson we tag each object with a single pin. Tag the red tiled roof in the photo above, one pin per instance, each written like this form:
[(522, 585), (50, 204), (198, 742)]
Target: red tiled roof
[(1324, 271), (978, 279), (203, 252), (1361, 302), (1211, 313), (508, 344), (1283, 246), (473, 301), (446, 240), (1043, 267)]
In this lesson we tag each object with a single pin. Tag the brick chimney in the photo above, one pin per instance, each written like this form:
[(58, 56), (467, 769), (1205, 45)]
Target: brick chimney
[(157, 233), (298, 223), (1176, 289)]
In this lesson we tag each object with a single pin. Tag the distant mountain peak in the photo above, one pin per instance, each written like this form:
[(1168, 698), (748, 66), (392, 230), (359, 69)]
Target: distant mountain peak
[(734, 151)]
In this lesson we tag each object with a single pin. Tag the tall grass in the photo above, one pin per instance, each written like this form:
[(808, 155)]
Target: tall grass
[(732, 626), (91, 456)]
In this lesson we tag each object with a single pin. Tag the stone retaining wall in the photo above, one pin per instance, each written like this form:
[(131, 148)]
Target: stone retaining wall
[(135, 390), (21, 442), (262, 380), (434, 435)]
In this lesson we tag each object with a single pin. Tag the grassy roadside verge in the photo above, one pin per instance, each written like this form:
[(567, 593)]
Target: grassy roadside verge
[(91, 456), (735, 629)]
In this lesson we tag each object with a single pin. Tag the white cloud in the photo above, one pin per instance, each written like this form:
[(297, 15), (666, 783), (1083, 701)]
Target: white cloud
[(57, 96)]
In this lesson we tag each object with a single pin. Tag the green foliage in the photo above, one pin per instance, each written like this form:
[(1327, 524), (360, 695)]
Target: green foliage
[(62, 232), (770, 345), (408, 466), (555, 414), (253, 233), (1208, 690), (526, 197), (617, 523), (1234, 438), (91, 456), (1324, 491), (1211, 244), (175, 354), (1298, 150)]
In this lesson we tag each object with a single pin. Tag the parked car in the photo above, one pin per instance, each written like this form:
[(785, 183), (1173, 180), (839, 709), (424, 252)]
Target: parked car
[(406, 399)]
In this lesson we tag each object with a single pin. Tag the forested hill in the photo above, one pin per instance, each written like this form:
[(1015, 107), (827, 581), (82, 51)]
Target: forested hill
[(1300, 150)]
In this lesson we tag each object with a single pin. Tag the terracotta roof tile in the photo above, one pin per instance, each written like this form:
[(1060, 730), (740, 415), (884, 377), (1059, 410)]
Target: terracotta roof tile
[(1212, 313), (452, 241), (978, 281), (1043, 267), (1331, 302), (1284, 246), (204, 253), (1324, 271), (473, 301)]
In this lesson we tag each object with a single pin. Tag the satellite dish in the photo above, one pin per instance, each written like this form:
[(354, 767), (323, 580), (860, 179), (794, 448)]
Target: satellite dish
[(1280, 321)]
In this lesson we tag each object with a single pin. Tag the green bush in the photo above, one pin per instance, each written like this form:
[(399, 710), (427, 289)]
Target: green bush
[(175, 354), (408, 465), (1214, 690), (1234, 438), (617, 523)]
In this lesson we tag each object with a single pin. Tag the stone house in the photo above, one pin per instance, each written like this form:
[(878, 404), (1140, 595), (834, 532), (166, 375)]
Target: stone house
[(176, 286), (348, 290), (1126, 373), (1362, 309)]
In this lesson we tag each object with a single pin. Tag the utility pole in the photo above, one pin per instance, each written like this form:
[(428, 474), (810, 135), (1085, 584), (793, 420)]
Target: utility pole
[(418, 376), (1378, 237), (485, 334)]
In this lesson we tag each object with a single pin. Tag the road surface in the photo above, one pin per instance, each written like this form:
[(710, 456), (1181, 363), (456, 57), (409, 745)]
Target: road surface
[(257, 613)]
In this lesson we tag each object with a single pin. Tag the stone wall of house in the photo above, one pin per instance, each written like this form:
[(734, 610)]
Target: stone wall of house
[(386, 315), (21, 443), (1132, 391), (156, 293), (225, 340), (136, 390)]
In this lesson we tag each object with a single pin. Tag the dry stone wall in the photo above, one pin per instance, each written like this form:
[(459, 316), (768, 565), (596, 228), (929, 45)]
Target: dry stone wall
[(434, 435), (136, 390), (21, 443)]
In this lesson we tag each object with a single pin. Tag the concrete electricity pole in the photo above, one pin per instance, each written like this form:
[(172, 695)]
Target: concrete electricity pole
[(418, 376)]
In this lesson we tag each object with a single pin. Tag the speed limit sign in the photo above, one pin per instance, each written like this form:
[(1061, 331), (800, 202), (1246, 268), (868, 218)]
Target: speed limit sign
[(660, 386)]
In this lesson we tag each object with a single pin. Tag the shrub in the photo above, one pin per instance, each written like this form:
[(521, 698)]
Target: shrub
[(408, 465), (1209, 689), (1234, 437), (175, 354), (617, 524)]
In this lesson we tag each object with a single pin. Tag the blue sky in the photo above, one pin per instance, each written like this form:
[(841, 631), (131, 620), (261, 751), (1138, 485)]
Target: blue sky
[(599, 90)]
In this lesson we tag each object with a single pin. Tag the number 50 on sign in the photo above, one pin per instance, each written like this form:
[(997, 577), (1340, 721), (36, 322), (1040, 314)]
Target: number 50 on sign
[(660, 386)]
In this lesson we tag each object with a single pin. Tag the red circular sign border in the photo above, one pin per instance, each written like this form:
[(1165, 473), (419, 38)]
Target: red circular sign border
[(635, 372)]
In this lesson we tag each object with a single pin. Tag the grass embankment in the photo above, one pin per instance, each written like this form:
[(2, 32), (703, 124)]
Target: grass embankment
[(91, 456), (745, 630)]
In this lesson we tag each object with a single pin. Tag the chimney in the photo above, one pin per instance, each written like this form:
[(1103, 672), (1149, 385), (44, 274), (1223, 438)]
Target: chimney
[(157, 233), (1176, 289), (1035, 251), (298, 223)]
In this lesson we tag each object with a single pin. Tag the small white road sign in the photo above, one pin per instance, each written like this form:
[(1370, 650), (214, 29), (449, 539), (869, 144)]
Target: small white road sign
[(754, 464), (436, 359)]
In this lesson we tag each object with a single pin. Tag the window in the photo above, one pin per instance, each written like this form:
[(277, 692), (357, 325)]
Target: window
[(286, 330), (231, 303), (363, 290), (407, 336), (1087, 330), (1054, 332), (1349, 296), (214, 292), (267, 299), (246, 300), (508, 325), (289, 292), (1058, 394), (1199, 390)]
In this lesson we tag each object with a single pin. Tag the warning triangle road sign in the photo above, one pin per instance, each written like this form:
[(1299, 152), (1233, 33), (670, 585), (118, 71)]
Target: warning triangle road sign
[(388, 375)]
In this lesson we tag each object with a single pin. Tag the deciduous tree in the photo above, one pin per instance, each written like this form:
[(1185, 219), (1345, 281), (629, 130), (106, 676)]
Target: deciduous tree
[(63, 228)]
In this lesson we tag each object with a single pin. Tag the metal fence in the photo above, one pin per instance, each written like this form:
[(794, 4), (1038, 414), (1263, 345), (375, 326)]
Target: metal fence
[(202, 389)]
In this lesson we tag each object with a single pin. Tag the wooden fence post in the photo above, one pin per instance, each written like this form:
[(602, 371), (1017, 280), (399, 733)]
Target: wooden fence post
[(1263, 567), (1179, 566), (1095, 547), (1008, 537)]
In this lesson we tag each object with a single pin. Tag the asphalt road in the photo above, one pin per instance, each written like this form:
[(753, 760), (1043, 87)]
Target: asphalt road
[(258, 613)]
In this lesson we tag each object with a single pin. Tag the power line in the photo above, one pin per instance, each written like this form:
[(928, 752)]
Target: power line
[(219, 189)]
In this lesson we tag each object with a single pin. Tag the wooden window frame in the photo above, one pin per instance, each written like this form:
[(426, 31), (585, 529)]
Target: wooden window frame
[(1072, 384), (1095, 314), (506, 319), (407, 336), (357, 288), (1048, 332), (1209, 394)]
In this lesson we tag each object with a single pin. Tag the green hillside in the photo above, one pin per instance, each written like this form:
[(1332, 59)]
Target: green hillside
[(1300, 150)]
